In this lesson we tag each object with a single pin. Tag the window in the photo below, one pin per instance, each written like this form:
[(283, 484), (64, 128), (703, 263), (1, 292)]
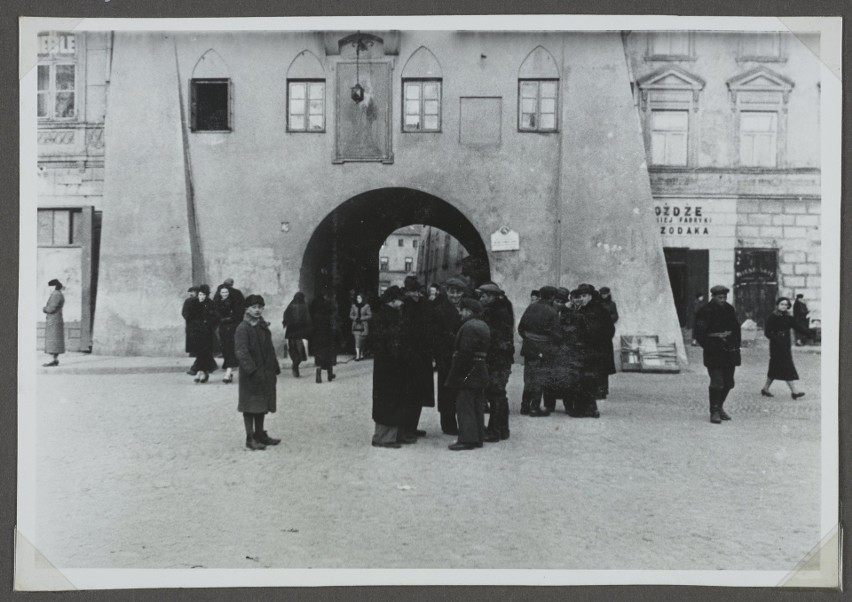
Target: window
[(400, 242), (669, 132), (383, 264), (758, 139), (422, 102), (537, 105), (306, 106), (670, 46), (414, 243), (56, 91), (761, 47), (409, 264), (210, 105), (58, 227)]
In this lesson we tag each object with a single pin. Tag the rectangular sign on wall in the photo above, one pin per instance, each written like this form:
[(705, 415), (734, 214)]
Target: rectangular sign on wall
[(362, 130)]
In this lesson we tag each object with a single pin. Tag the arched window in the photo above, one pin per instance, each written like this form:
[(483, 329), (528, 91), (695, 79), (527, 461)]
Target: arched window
[(306, 94), (421, 92), (538, 92), (211, 95)]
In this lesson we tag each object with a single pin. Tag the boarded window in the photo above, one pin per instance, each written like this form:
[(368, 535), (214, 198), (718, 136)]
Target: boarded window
[(210, 101)]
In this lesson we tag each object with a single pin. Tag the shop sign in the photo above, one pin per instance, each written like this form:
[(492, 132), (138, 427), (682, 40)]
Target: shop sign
[(682, 218), (57, 43)]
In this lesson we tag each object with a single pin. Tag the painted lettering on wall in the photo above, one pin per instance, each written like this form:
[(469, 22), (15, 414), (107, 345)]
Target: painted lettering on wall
[(57, 42), (682, 219)]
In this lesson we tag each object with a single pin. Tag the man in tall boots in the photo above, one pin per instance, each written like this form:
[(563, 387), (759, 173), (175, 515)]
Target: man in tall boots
[(500, 317), (717, 330), (538, 329)]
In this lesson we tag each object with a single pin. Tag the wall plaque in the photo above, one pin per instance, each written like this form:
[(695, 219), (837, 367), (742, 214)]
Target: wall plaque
[(362, 130), (505, 240)]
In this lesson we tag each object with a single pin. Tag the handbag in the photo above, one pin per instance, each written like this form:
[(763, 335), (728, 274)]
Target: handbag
[(358, 327)]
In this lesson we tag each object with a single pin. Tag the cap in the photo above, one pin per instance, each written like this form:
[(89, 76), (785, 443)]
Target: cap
[(392, 293), (586, 289), (491, 288), (54, 282), (456, 283), (604, 290), (228, 281), (192, 289), (547, 292), (719, 290), (576, 293), (562, 293), (255, 300), (471, 304)]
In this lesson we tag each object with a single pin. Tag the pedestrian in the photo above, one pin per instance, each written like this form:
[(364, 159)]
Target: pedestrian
[(230, 314), (554, 368), (777, 330), (360, 314), (604, 351), (202, 326), (717, 330), (499, 315), (800, 314), (697, 304), (537, 327), (297, 327), (325, 334), (54, 324), (535, 295), (192, 291), (608, 303), (236, 293), (419, 375), (469, 375), (444, 322), (388, 369), (259, 370)]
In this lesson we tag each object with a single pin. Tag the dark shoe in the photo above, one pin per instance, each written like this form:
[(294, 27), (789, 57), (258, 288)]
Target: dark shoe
[(420, 433), (319, 376), (504, 434), (407, 440), (192, 372), (715, 418), (331, 376), (536, 412), (766, 393), (492, 438), (254, 445), (265, 439), (723, 414), (228, 379), (296, 371), (797, 395), (204, 378), (391, 445), (461, 446), (51, 364), (357, 359), (525, 410)]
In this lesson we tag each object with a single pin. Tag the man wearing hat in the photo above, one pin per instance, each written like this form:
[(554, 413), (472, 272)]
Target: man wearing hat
[(444, 322), (608, 303), (236, 294), (469, 375), (500, 317), (54, 324), (419, 375), (538, 328), (717, 330), (186, 312)]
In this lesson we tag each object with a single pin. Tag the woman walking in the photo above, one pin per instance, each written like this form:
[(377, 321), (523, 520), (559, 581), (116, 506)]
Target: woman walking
[(360, 314), (777, 330), (324, 338), (54, 326), (259, 370), (202, 325), (230, 314), (388, 369), (297, 327)]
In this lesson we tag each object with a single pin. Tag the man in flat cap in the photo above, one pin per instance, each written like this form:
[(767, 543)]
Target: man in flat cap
[(717, 330), (469, 375), (419, 380), (500, 317), (538, 328), (444, 323)]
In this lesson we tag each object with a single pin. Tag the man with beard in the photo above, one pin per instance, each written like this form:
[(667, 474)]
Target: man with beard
[(444, 322), (538, 327), (717, 330), (469, 375), (500, 318), (419, 381)]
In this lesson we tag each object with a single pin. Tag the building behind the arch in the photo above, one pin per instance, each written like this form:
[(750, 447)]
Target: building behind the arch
[(218, 154)]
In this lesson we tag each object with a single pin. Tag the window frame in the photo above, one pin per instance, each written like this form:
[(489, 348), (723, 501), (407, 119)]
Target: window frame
[(420, 81), (408, 262), (779, 57), (755, 134), (537, 129), (51, 91), (652, 55), (193, 104), (384, 264), (667, 135), (74, 216), (307, 100)]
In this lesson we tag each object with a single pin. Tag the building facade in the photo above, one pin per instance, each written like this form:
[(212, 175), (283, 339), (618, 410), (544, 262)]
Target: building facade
[(286, 159), (398, 256)]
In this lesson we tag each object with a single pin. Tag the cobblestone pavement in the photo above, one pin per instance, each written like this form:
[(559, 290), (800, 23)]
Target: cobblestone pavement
[(139, 467)]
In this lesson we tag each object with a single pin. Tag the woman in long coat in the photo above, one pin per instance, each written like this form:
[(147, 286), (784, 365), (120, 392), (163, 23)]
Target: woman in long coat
[(259, 370), (360, 314), (298, 327), (202, 325), (325, 335), (777, 330), (54, 326), (388, 369), (230, 313)]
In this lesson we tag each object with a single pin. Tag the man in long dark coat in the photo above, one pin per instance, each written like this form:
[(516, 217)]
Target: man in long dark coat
[(420, 385), (556, 366), (500, 317), (388, 369), (444, 322), (800, 315), (717, 330), (469, 375), (192, 291), (538, 327)]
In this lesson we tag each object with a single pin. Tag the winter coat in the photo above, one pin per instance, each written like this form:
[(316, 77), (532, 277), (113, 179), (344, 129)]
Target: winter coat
[(388, 366), (800, 314), (538, 328), (297, 321), (596, 332), (185, 313), (718, 352), (259, 367), (469, 370), (54, 325), (444, 322), (501, 322), (360, 317), (420, 383), (611, 308), (777, 330), (202, 325), (326, 332), (230, 314)]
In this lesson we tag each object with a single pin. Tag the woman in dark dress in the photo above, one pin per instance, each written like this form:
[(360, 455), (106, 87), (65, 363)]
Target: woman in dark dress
[(230, 314), (781, 366), (202, 324), (325, 335), (297, 326), (388, 369)]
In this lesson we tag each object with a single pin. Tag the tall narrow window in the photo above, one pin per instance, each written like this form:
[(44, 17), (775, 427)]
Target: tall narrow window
[(384, 264), (422, 104), (758, 138), (56, 91), (669, 135), (537, 102), (400, 242), (306, 106), (210, 102), (409, 263)]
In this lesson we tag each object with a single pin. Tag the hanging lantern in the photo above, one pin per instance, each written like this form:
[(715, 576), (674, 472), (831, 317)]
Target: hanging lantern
[(358, 89)]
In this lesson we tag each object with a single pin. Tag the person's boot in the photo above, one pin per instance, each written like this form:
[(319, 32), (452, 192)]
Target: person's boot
[(722, 397), (331, 375), (296, 370), (264, 439), (254, 445), (525, 404), (715, 418), (319, 375)]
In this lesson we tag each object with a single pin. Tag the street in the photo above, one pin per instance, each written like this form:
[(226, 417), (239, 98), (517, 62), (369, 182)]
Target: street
[(138, 467)]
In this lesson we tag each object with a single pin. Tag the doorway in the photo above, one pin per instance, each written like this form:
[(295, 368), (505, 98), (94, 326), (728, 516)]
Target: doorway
[(689, 275)]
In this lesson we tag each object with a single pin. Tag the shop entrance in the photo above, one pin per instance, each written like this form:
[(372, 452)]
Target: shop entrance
[(689, 273)]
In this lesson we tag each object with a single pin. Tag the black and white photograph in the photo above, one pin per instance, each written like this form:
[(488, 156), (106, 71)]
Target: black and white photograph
[(519, 300)]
